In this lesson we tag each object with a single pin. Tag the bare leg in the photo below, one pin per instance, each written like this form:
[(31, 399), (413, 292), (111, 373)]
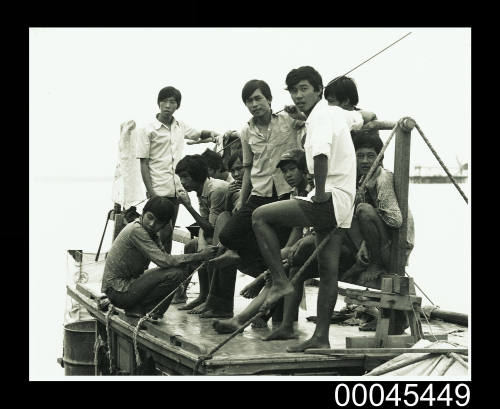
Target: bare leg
[(253, 289), (292, 301), (328, 263), (375, 233), (284, 213), (230, 325)]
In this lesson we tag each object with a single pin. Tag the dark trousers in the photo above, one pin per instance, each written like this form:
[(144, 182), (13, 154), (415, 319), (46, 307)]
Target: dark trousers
[(221, 295), (238, 234), (145, 292)]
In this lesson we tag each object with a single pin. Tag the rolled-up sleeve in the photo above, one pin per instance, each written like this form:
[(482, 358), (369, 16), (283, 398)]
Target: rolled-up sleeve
[(189, 132), (354, 120), (387, 202), (142, 144), (320, 135)]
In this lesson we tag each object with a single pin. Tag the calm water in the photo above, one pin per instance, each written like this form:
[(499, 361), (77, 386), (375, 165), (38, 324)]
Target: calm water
[(72, 214)]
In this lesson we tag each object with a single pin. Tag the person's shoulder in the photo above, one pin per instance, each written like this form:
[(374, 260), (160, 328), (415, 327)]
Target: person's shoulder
[(135, 228), (219, 184)]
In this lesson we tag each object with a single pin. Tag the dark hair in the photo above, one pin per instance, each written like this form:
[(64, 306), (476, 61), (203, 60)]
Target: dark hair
[(304, 73), (213, 159), (342, 88), (234, 157), (195, 166), (168, 92), (252, 85), (367, 139), (161, 207)]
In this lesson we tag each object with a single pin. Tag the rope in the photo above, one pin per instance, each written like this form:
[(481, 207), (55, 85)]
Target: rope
[(136, 331), (108, 336), (96, 357), (416, 285), (359, 65), (149, 315), (441, 163), (203, 358)]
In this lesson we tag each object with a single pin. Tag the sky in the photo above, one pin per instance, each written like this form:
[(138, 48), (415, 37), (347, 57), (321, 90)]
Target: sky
[(85, 82)]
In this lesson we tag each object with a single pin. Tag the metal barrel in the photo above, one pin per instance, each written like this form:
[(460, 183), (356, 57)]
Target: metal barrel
[(78, 348)]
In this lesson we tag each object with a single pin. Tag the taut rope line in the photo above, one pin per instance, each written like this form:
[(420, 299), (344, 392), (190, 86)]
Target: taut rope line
[(441, 163)]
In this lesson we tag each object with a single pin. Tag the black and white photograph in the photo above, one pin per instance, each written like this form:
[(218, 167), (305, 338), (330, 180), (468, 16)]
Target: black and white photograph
[(250, 203)]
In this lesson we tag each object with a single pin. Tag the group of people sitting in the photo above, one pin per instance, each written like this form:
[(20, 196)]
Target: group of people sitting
[(286, 183)]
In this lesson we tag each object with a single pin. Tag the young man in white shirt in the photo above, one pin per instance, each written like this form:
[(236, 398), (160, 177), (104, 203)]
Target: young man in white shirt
[(159, 147), (331, 158)]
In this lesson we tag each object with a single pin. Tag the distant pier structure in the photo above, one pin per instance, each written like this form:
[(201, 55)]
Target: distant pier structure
[(433, 174)]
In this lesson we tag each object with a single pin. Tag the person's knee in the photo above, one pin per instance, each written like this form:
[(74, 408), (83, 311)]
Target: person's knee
[(258, 217), (365, 211), (173, 275)]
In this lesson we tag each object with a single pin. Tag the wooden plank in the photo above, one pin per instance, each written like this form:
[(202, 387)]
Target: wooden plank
[(382, 331), (401, 182), (400, 302), (393, 341), (363, 351)]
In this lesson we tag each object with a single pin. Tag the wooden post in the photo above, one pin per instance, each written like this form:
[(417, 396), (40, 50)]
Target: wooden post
[(118, 218), (401, 181)]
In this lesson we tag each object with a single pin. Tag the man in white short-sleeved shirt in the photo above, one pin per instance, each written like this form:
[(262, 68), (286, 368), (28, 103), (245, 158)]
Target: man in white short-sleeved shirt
[(159, 147), (331, 158)]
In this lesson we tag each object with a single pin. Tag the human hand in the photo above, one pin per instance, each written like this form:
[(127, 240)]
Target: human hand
[(294, 112), (234, 186), (184, 198), (363, 254), (237, 205), (367, 116), (321, 197), (209, 252), (285, 251)]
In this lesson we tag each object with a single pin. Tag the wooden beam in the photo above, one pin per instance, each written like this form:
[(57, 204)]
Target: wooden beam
[(362, 351), (401, 182), (393, 341)]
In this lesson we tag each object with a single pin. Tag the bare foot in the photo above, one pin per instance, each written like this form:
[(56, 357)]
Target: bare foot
[(229, 258), (276, 292), (192, 304), (259, 323), (199, 309), (216, 314), (225, 326), (180, 296), (371, 273), (252, 290), (310, 343), (281, 333)]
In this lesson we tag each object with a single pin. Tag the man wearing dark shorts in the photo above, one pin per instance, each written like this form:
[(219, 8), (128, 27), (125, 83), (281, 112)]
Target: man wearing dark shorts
[(330, 157)]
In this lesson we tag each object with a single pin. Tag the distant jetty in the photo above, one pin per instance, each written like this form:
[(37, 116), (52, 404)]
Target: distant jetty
[(429, 174)]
